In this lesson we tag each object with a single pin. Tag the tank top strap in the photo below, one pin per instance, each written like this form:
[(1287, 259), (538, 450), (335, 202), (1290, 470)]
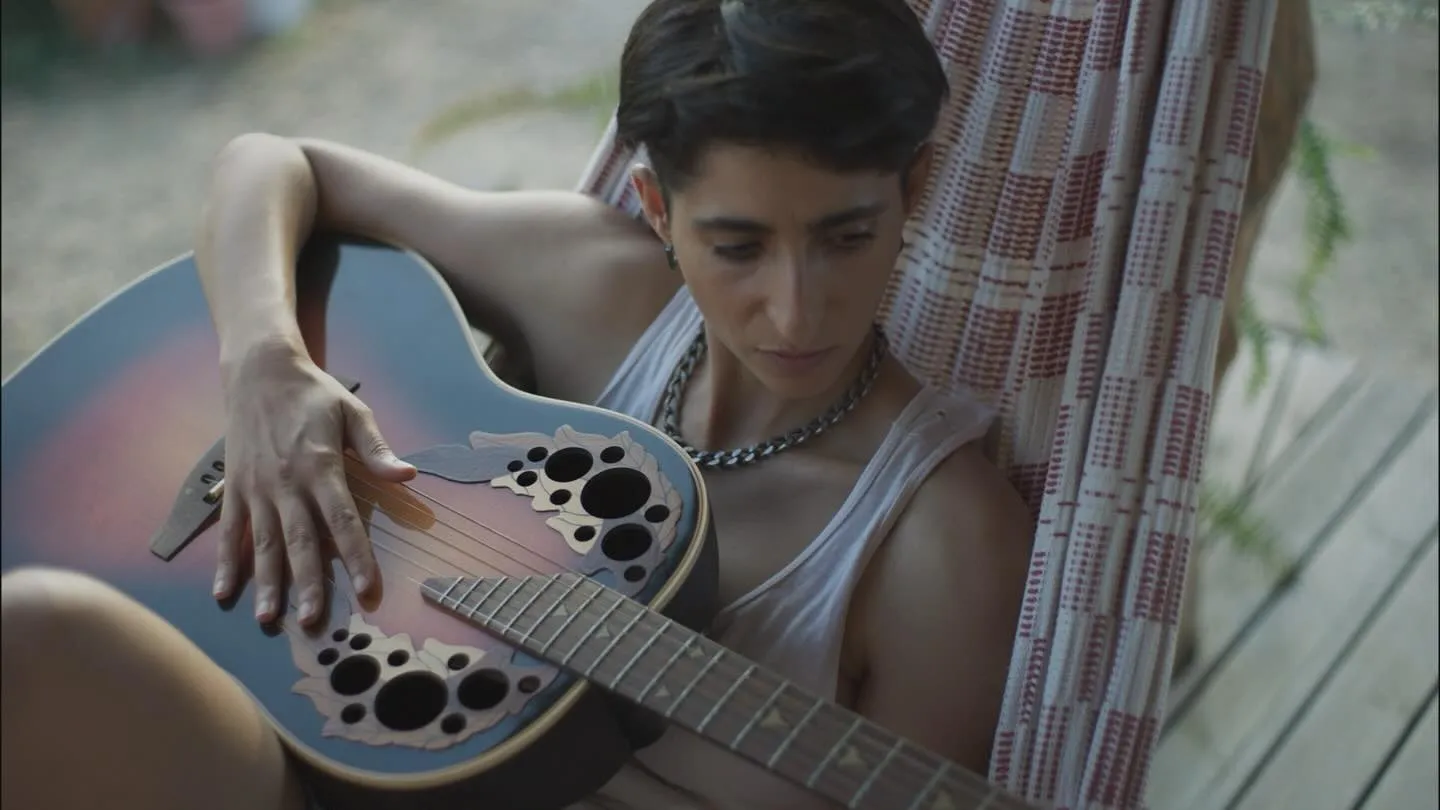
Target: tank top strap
[(637, 384)]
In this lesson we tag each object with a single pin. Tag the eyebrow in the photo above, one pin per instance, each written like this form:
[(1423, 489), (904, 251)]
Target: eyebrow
[(740, 224)]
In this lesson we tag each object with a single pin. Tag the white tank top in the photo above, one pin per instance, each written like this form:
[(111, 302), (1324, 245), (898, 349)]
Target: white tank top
[(794, 622)]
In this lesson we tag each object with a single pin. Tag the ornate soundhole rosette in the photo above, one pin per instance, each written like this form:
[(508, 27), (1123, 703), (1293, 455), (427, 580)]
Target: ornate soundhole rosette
[(617, 515), (614, 508), (382, 690)]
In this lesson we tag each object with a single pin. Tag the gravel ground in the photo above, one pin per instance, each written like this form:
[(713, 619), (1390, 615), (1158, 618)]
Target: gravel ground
[(104, 159)]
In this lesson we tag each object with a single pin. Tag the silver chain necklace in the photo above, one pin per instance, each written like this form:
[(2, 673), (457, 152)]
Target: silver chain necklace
[(727, 459)]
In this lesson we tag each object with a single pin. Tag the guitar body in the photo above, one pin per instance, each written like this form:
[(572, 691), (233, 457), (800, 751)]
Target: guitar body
[(109, 447)]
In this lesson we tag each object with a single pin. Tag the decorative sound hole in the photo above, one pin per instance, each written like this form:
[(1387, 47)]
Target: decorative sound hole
[(615, 493), (352, 714), (515, 466), (612, 455), (626, 542), (458, 661), (526, 478), (657, 513), (398, 658), (327, 657), (453, 724), (569, 464), (537, 454), (354, 675), (218, 466), (483, 689), (585, 534), (360, 641), (560, 497), (340, 635), (528, 684), (410, 701), (635, 573)]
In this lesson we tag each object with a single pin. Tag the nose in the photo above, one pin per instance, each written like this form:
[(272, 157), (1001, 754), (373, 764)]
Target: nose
[(796, 301)]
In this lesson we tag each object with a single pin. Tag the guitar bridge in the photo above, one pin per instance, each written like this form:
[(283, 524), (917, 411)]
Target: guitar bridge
[(197, 506)]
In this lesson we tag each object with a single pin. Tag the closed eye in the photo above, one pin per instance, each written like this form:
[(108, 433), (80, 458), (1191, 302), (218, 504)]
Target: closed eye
[(854, 240), (738, 253)]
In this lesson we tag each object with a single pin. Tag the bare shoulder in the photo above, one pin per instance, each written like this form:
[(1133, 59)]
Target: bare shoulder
[(938, 609), (571, 278)]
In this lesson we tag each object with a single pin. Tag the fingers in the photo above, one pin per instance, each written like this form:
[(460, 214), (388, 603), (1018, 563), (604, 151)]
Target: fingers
[(269, 542), (302, 550), (347, 530), (232, 537), (364, 436)]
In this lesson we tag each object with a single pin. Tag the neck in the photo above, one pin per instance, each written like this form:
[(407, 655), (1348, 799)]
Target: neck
[(726, 406)]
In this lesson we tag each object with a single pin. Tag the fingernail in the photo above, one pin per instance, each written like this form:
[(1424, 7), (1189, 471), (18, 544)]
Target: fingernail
[(307, 610), (265, 609), (362, 583), (222, 580)]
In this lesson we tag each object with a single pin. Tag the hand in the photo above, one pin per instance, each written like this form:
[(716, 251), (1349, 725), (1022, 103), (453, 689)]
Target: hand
[(289, 425)]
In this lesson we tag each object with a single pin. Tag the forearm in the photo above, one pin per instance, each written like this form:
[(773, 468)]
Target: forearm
[(259, 211)]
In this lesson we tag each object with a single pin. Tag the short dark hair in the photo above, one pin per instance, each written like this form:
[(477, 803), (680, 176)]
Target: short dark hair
[(852, 85)]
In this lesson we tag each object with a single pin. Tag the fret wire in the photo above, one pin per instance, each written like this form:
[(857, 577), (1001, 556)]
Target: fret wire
[(505, 628), (453, 583), (875, 773), (935, 780), (519, 586), (465, 597), (794, 732), (725, 698), (644, 648), (760, 715), (560, 600), (684, 693), (834, 750), (475, 608), (639, 614), (587, 636), (675, 656), (575, 614)]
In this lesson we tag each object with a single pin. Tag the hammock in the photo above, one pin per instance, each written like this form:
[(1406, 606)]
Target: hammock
[(1069, 265)]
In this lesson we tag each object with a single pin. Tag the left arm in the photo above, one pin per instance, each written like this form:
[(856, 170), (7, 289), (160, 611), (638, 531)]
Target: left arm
[(936, 611)]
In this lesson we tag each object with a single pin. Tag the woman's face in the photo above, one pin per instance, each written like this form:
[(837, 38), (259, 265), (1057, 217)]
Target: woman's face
[(787, 261)]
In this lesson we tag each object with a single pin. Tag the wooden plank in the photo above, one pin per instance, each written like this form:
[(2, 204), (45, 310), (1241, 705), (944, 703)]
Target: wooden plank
[(1328, 758), (1321, 380), (1412, 779), (1225, 730), (1239, 417), (1332, 470)]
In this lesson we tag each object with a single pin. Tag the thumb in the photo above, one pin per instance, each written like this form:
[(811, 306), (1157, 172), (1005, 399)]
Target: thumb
[(366, 440)]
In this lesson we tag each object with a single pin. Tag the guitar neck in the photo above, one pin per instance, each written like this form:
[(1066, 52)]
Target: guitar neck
[(625, 648)]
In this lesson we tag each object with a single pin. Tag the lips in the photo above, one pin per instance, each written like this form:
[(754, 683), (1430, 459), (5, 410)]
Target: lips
[(796, 363)]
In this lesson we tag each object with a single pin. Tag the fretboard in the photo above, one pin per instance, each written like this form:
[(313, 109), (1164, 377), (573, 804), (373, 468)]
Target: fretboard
[(625, 648)]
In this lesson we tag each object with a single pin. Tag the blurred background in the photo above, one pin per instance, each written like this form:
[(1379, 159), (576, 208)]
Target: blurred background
[(112, 109)]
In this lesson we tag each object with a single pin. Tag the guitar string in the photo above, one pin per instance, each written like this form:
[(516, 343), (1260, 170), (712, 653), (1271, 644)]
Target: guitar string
[(662, 642)]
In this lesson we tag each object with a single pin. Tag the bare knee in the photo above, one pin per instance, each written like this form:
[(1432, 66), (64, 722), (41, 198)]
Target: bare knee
[(42, 609)]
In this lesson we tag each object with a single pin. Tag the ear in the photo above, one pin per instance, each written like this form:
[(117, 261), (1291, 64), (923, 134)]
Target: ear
[(652, 200), (916, 175)]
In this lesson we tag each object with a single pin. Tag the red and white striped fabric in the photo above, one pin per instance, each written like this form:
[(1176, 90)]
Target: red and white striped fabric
[(1070, 265)]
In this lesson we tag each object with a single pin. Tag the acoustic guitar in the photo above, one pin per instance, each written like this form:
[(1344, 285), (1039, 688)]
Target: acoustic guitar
[(113, 465)]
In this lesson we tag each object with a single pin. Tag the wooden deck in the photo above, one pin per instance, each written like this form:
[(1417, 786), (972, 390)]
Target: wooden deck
[(1315, 683)]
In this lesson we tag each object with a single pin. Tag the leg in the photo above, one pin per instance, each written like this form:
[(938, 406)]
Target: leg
[(105, 705)]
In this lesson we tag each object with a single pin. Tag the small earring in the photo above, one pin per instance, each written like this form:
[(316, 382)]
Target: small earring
[(670, 257)]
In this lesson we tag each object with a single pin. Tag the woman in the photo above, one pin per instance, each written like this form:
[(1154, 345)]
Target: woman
[(878, 561)]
